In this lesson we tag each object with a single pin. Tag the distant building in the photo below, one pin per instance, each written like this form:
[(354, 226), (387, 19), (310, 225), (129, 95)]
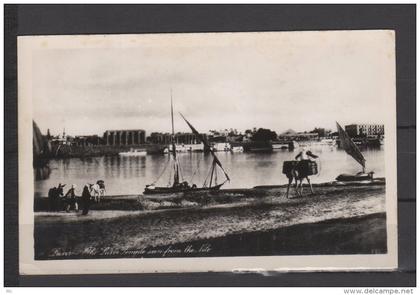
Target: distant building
[(223, 132), (225, 135), (235, 138), (320, 131), (298, 136), (159, 138), (357, 130), (87, 140), (124, 137), (179, 138), (217, 138), (187, 138)]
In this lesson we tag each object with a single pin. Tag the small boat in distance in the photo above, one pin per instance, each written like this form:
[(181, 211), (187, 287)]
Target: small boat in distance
[(134, 152), (237, 149), (284, 145), (280, 146), (184, 148), (221, 147), (176, 182)]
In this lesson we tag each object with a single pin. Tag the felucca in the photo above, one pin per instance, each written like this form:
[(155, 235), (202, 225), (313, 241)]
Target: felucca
[(177, 183), (351, 148)]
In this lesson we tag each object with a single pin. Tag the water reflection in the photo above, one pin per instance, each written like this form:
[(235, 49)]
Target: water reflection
[(129, 175), (42, 173)]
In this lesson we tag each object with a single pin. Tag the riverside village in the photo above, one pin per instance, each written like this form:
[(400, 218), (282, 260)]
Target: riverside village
[(215, 193)]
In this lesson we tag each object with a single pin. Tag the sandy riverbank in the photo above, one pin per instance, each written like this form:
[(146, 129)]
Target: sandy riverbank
[(275, 193), (337, 220)]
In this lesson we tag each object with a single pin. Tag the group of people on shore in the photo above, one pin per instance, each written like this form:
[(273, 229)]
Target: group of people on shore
[(58, 201)]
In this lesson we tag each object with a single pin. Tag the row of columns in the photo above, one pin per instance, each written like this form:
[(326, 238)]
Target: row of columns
[(125, 137), (186, 138), (179, 138)]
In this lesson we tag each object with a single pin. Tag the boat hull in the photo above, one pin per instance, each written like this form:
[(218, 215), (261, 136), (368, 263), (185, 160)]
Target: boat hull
[(349, 177), (173, 190), (134, 154)]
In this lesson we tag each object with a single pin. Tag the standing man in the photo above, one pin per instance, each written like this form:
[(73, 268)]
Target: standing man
[(86, 199), (305, 155)]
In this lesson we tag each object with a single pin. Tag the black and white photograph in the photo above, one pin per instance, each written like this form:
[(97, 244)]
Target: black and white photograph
[(271, 150)]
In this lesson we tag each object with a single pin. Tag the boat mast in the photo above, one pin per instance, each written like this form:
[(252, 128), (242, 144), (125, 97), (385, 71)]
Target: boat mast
[(176, 168), (172, 116)]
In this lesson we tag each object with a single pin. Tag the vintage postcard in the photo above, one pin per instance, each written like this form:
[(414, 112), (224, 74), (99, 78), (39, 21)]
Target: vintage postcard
[(264, 151)]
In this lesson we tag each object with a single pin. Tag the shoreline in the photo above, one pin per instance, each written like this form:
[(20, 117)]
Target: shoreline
[(222, 219), (223, 196)]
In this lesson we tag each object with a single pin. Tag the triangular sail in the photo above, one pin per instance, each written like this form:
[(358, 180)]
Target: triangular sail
[(350, 147), (207, 146)]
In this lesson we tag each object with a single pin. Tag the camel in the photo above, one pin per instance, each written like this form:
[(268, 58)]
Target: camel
[(296, 170)]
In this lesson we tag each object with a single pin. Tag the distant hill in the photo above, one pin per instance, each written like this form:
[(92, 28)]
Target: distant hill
[(288, 132)]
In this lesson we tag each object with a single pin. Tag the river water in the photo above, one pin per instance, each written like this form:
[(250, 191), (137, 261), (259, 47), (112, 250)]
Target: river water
[(129, 175)]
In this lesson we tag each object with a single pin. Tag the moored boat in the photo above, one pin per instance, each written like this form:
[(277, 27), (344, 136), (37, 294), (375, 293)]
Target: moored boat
[(288, 145), (357, 177), (280, 146), (152, 190), (177, 184), (222, 147), (184, 148), (134, 152), (351, 148), (237, 149)]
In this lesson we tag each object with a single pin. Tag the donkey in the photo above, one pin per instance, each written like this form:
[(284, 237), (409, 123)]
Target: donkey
[(97, 190)]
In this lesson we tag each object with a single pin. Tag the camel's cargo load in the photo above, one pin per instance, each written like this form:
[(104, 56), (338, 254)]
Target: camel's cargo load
[(305, 167)]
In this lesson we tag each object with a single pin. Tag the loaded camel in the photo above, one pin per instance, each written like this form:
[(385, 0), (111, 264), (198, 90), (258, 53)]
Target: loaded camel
[(299, 170)]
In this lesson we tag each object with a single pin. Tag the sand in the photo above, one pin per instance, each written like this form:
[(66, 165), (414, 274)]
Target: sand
[(258, 216)]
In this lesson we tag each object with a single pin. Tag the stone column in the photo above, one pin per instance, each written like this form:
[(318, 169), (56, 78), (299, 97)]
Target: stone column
[(114, 139)]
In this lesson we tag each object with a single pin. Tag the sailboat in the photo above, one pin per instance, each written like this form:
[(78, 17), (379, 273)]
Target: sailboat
[(177, 184), (351, 148)]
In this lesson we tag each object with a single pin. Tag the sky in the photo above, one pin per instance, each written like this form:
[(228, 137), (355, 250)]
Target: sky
[(297, 80)]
